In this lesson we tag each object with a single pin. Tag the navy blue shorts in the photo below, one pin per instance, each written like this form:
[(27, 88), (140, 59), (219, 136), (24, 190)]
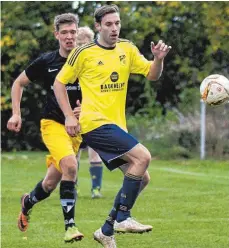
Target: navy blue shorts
[(110, 142)]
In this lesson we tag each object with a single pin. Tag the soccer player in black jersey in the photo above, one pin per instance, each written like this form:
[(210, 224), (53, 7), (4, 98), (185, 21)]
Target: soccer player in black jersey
[(61, 163)]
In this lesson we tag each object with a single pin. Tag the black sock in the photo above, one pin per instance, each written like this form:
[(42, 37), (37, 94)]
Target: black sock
[(68, 199), (35, 196)]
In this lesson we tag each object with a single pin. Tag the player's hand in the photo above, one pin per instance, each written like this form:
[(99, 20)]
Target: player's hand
[(14, 123), (160, 50), (72, 125), (77, 109)]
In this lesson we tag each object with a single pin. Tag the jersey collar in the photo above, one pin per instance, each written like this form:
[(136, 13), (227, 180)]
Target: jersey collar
[(107, 48)]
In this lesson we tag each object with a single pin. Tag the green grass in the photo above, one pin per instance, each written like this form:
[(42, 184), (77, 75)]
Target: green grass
[(187, 202)]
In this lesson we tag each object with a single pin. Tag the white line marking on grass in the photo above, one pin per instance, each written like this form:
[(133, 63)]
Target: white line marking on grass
[(179, 171), (188, 172), (142, 220)]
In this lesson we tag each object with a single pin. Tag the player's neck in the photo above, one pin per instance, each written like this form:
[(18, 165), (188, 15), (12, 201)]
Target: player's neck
[(63, 53)]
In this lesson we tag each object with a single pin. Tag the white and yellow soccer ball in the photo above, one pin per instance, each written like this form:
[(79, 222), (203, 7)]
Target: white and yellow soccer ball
[(214, 90)]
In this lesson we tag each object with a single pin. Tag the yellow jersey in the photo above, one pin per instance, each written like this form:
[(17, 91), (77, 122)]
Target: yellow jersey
[(103, 75)]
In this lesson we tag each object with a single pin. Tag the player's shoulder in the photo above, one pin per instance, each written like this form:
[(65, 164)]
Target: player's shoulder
[(120, 40), (49, 55), (125, 42), (84, 47), (80, 51)]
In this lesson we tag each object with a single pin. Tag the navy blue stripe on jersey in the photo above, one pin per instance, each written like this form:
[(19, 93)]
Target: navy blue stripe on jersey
[(73, 57), (123, 40)]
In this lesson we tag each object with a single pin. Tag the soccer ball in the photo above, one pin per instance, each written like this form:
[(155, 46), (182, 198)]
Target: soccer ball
[(214, 89)]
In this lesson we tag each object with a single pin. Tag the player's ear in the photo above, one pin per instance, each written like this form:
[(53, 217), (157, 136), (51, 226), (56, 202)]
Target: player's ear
[(98, 26), (56, 34)]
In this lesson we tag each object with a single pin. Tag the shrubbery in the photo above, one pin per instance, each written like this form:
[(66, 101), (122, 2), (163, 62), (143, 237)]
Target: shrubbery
[(179, 137)]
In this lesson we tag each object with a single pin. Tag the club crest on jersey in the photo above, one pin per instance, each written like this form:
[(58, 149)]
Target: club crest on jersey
[(122, 59), (114, 76)]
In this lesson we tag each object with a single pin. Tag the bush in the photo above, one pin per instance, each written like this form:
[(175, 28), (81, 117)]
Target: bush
[(179, 137)]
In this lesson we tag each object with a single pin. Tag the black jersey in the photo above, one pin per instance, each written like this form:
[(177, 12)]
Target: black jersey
[(44, 70)]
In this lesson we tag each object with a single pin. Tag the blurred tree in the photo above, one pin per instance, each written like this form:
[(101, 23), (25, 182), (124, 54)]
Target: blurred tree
[(27, 31), (197, 31)]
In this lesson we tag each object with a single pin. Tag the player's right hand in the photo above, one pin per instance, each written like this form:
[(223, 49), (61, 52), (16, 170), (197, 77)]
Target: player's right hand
[(72, 125), (14, 123)]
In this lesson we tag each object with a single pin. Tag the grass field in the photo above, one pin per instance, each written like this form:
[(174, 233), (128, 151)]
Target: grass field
[(187, 202)]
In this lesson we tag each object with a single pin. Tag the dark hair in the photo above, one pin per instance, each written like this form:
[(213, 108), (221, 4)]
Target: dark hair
[(65, 18), (104, 10)]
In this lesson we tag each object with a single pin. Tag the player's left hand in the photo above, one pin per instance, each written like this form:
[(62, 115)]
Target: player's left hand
[(77, 109), (160, 50)]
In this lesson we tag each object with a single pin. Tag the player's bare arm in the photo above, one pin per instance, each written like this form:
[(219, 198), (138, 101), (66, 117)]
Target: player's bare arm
[(14, 123), (71, 122), (159, 51)]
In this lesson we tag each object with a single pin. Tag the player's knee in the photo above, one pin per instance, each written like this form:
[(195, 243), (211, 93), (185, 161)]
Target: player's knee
[(71, 170), (145, 157), (49, 185), (69, 166)]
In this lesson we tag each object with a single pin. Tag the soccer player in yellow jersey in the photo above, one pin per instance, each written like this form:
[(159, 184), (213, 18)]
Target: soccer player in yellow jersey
[(103, 68)]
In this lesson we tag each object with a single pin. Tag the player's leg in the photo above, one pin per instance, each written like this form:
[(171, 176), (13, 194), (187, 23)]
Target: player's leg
[(138, 160), (41, 191), (68, 197), (83, 146), (96, 172), (78, 155), (63, 150), (145, 179), (145, 182), (127, 195), (128, 224), (114, 156)]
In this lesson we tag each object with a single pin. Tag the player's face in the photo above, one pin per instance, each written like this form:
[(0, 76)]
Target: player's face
[(109, 29), (67, 36)]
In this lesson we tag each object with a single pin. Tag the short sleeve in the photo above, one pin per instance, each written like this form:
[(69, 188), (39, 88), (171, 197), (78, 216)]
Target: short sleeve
[(35, 70), (139, 64), (71, 69)]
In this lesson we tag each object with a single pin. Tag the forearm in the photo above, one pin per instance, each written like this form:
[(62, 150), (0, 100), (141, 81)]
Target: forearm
[(16, 94), (62, 98), (155, 69)]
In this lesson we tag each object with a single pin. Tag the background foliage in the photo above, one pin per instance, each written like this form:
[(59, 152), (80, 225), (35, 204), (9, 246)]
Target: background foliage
[(198, 33)]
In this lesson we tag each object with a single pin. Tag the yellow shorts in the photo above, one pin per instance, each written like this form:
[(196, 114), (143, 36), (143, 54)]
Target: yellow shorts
[(58, 142)]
